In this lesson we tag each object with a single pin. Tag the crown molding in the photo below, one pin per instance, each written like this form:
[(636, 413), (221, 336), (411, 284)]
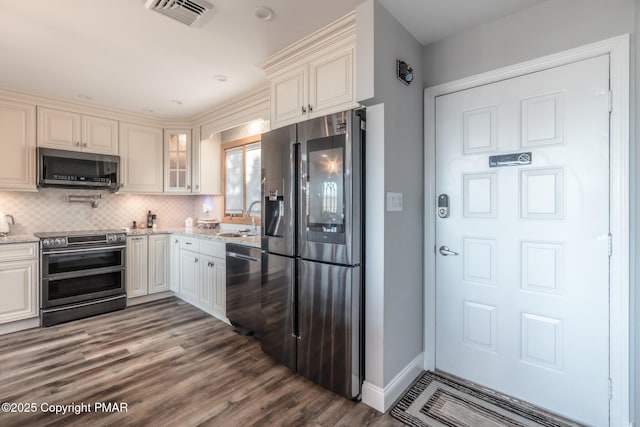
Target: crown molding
[(79, 107), (336, 32), (251, 106), (244, 108)]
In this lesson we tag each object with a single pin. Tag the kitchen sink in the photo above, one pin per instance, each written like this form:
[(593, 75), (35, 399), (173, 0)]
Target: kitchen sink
[(229, 234)]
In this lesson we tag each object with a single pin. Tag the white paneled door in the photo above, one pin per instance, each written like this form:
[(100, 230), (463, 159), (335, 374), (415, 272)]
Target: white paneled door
[(522, 260)]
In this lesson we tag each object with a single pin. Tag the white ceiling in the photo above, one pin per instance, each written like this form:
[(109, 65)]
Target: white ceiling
[(122, 55)]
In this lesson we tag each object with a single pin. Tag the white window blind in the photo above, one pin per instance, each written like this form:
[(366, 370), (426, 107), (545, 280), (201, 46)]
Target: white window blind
[(253, 176), (234, 174)]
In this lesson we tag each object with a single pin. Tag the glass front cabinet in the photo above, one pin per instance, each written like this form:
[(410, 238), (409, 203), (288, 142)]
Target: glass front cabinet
[(177, 146)]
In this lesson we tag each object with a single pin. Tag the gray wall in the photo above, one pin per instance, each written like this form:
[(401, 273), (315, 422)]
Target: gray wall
[(400, 107), (546, 28)]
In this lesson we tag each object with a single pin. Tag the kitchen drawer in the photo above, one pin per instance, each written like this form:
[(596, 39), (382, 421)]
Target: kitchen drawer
[(17, 251), (190, 243), (215, 249)]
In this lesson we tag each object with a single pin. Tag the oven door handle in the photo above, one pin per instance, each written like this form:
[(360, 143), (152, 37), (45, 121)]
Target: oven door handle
[(45, 277), (75, 251)]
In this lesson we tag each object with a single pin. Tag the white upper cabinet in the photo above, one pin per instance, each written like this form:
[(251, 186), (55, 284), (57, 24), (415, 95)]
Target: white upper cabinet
[(289, 96), (206, 163), (331, 87), (18, 145), (67, 130), (315, 76), (195, 161), (99, 135), (141, 158), (177, 146), (323, 85)]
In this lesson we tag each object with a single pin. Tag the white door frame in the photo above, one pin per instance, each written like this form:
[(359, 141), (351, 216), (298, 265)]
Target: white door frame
[(619, 305)]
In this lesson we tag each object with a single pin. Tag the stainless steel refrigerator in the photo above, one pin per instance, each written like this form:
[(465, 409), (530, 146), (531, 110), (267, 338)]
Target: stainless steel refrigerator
[(312, 240)]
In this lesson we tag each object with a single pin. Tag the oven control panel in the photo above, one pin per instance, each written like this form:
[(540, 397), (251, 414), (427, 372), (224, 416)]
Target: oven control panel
[(116, 238), (76, 240), (58, 242)]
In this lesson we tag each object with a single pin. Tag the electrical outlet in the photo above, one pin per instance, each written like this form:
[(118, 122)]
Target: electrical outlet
[(394, 202)]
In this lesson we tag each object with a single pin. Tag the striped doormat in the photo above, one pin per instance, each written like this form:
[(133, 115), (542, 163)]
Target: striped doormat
[(438, 401)]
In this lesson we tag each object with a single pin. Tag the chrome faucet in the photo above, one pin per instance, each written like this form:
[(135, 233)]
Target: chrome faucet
[(254, 229), (251, 207)]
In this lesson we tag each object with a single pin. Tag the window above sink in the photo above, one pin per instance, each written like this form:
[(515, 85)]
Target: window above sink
[(242, 175)]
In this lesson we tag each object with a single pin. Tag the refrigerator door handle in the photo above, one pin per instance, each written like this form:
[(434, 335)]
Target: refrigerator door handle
[(293, 313)]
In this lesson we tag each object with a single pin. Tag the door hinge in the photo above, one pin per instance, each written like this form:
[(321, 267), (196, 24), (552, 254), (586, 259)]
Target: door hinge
[(610, 96), (610, 389), (610, 249)]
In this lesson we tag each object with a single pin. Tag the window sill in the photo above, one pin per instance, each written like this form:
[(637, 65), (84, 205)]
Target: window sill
[(239, 220)]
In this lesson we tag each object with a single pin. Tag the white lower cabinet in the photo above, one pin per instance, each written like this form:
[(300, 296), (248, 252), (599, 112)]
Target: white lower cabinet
[(213, 293), (202, 274), (18, 281), (174, 269), (193, 268), (147, 265), (137, 264), (158, 263), (189, 275)]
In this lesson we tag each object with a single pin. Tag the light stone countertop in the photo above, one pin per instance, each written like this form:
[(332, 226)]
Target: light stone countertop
[(211, 234), (18, 238)]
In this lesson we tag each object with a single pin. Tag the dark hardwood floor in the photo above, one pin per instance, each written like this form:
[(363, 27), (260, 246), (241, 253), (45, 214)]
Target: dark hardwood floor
[(171, 364)]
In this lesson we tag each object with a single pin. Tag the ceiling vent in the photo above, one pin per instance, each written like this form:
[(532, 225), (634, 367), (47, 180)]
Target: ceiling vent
[(185, 11)]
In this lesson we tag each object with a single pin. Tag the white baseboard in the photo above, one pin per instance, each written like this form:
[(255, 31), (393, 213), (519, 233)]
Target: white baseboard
[(19, 325), (148, 298), (373, 396), (381, 399)]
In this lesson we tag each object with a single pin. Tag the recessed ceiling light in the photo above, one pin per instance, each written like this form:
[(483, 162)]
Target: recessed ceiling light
[(175, 101), (84, 97), (262, 12), (220, 77)]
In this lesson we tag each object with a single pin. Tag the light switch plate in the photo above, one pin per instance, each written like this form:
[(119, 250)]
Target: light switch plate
[(394, 202)]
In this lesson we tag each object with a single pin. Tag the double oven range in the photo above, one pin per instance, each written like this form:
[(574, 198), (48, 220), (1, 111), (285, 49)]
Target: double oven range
[(82, 273)]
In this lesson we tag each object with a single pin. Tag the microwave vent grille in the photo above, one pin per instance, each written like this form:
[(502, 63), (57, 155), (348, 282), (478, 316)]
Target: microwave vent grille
[(185, 11)]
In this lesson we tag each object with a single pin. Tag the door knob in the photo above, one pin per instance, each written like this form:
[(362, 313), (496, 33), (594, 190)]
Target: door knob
[(445, 251)]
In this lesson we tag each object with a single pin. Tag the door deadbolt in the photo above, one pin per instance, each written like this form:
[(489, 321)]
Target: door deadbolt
[(443, 206)]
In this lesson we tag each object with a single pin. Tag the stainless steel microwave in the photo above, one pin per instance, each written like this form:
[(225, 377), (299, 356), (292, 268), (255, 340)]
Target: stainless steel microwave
[(71, 169)]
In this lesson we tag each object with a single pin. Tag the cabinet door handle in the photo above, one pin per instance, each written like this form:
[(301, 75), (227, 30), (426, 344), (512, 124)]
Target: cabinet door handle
[(304, 110), (196, 259), (188, 187), (78, 144), (310, 108), (85, 144), (197, 186), (188, 243)]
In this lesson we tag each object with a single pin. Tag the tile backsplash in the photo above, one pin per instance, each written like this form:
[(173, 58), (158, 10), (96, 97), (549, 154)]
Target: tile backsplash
[(49, 210)]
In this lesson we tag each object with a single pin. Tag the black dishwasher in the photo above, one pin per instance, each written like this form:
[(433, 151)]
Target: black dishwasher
[(244, 279)]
